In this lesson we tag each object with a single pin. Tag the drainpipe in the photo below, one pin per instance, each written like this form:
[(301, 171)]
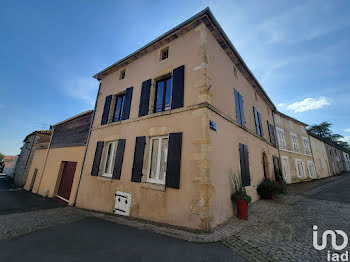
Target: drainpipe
[(87, 145), (276, 142), (47, 155)]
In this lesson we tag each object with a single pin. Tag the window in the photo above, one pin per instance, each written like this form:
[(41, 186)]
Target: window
[(306, 145), (311, 169), (272, 135), (291, 124), (162, 100), (119, 107), (244, 161), (320, 164), (303, 130), (164, 53), (281, 138), (108, 159), (239, 108), (277, 119), (122, 74), (258, 125), (300, 168), (235, 72), (294, 142), (157, 163), (285, 170)]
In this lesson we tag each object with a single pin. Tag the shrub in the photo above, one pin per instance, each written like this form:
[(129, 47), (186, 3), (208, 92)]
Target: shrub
[(267, 189), (240, 194)]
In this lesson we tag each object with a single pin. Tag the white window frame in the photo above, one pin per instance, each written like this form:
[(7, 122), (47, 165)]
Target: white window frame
[(291, 124), (111, 158), (277, 119), (297, 169), (281, 140), (295, 145), (286, 169), (320, 164), (157, 180), (311, 169), (307, 148), (303, 130)]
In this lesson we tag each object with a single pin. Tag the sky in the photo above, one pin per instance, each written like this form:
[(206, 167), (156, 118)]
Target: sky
[(49, 51)]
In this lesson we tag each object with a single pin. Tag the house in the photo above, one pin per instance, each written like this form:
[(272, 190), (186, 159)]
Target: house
[(295, 151), (55, 170), (8, 164), (174, 123), (319, 153), (347, 161), (335, 158), (27, 153)]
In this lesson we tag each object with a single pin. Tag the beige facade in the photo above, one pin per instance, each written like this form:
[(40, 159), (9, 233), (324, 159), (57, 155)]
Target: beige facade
[(320, 157), (35, 170), (209, 157), (295, 151)]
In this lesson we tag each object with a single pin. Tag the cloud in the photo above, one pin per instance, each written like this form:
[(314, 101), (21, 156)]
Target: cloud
[(347, 130), (82, 88), (309, 104), (345, 139)]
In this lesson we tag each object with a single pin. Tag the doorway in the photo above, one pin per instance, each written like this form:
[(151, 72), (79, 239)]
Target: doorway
[(66, 181)]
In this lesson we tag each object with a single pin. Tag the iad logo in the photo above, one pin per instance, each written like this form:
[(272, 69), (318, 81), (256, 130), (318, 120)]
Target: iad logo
[(332, 256)]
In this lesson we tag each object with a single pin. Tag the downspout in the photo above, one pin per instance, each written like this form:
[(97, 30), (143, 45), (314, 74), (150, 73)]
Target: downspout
[(47, 155), (276, 142), (87, 145)]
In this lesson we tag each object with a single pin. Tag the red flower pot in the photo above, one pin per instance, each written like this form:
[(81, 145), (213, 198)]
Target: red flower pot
[(242, 209)]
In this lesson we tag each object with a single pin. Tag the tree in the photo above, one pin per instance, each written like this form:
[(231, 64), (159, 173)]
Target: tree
[(324, 131), (1, 157)]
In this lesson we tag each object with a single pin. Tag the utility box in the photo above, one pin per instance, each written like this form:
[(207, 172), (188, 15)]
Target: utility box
[(122, 203)]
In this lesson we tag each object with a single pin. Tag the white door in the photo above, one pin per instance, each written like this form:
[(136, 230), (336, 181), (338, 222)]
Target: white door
[(286, 172)]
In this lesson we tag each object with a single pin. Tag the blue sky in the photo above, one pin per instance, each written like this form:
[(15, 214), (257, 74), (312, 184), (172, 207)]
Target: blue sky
[(298, 50)]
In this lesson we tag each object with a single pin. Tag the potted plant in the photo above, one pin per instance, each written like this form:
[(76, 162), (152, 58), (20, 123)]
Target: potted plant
[(242, 201), (269, 189)]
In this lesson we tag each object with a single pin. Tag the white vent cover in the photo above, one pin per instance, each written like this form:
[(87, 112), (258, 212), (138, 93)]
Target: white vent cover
[(122, 203)]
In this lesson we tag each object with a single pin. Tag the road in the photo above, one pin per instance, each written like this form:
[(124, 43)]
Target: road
[(94, 239)]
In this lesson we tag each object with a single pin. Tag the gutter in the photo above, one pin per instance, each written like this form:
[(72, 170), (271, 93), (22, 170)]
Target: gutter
[(86, 148)]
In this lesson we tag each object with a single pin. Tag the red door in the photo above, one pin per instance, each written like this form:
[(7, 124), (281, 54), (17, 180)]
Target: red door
[(66, 180)]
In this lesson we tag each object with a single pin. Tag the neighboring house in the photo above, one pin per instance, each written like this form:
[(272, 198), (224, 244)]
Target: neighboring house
[(9, 163), (27, 153), (56, 169), (335, 158), (174, 121), (347, 161), (319, 153), (295, 150)]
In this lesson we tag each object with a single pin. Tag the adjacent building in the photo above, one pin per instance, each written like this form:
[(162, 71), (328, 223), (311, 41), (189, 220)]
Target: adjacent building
[(295, 151), (27, 153), (346, 161), (335, 158), (320, 156), (55, 170), (8, 163), (175, 122)]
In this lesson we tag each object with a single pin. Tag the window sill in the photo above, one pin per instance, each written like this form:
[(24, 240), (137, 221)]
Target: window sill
[(104, 178), (153, 186)]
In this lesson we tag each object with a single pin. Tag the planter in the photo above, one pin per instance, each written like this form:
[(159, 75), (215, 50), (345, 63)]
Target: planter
[(242, 209)]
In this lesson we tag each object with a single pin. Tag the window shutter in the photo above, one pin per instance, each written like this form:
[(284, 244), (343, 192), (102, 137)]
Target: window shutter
[(144, 99), (127, 103), (138, 159), (269, 130), (241, 109), (106, 110), (237, 102), (246, 164), (97, 159), (256, 118), (260, 125), (275, 135), (174, 160), (177, 94), (118, 162)]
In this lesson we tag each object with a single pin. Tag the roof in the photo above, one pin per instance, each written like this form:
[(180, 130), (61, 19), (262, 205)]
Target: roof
[(206, 17), (327, 142), (44, 132), (291, 118), (73, 117)]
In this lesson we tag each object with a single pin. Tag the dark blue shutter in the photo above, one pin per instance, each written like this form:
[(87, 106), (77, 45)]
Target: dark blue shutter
[(106, 110), (256, 118), (118, 161), (244, 161), (127, 103), (238, 111), (275, 135), (144, 99), (177, 94), (97, 158), (174, 161), (138, 159), (260, 126), (241, 109)]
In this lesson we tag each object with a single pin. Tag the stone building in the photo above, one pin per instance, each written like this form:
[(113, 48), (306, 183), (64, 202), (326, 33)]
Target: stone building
[(320, 156), (335, 158), (174, 123), (27, 153), (295, 151)]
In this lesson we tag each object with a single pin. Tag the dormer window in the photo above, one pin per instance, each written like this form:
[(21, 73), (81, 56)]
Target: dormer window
[(122, 74), (164, 53)]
